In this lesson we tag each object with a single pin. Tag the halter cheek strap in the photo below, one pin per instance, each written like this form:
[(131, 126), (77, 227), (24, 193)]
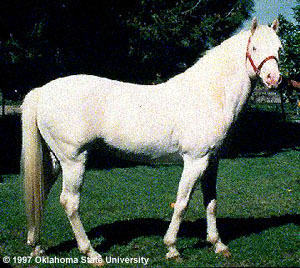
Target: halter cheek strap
[(248, 56)]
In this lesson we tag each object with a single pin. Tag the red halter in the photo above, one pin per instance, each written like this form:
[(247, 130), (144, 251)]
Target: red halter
[(248, 56)]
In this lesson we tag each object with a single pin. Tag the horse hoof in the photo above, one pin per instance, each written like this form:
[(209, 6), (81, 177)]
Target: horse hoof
[(173, 254), (94, 258), (177, 259), (37, 251), (226, 253), (220, 248)]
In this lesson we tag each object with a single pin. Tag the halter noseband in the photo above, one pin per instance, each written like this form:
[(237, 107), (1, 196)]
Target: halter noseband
[(248, 56)]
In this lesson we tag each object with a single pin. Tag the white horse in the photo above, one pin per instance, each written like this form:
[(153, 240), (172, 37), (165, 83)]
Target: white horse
[(187, 116)]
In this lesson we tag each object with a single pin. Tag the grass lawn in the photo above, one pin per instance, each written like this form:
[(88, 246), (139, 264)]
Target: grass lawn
[(126, 212)]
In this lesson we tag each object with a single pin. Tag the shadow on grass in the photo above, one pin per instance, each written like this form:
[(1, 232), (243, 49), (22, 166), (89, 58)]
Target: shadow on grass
[(4, 265), (122, 232)]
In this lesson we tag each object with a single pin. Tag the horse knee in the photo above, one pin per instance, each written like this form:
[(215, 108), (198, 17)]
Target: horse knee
[(181, 205), (70, 202), (170, 237)]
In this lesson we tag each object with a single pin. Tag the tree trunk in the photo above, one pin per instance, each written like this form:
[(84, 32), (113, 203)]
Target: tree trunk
[(282, 106), (3, 103)]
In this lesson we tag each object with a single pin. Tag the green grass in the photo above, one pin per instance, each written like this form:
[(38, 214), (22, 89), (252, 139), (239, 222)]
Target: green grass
[(275, 108), (126, 213)]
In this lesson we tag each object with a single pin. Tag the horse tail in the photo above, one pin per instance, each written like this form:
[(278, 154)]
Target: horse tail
[(32, 165)]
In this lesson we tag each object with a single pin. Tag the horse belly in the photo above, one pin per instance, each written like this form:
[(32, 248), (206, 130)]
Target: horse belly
[(152, 140), (138, 128)]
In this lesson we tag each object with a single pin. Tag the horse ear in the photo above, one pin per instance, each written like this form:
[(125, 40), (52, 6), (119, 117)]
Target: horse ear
[(254, 25), (275, 25)]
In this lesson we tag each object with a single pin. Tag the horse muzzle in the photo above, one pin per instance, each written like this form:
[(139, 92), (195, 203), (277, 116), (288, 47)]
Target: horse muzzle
[(272, 80)]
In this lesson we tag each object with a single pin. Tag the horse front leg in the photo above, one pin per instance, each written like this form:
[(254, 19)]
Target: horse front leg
[(208, 183), (72, 179), (192, 169)]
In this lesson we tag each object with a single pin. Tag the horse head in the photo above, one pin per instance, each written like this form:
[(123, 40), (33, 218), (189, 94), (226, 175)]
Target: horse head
[(263, 53)]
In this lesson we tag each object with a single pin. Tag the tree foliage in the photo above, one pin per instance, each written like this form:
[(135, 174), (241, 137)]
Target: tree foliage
[(145, 41), (170, 35), (290, 56)]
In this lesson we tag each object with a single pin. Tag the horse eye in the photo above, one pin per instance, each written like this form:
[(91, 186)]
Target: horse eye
[(254, 48)]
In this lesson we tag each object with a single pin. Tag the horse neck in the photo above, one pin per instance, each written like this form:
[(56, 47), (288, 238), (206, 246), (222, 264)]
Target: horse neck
[(219, 80), (224, 64), (233, 71), (227, 58)]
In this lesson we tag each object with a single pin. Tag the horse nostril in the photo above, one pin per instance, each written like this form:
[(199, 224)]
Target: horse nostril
[(273, 79)]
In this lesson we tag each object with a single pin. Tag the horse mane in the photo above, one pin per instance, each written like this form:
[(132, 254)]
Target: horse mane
[(226, 44), (213, 60), (228, 48), (233, 40), (217, 63)]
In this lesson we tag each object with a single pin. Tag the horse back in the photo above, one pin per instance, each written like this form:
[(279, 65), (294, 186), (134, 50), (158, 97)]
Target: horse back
[(77, 110)]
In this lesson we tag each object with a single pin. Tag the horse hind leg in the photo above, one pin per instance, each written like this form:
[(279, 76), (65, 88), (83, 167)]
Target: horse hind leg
[(212, 231), (210, 202), (69, 199)]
